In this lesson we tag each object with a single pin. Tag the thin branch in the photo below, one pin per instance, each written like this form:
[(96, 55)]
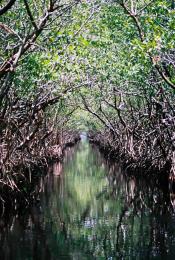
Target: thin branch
[(30, 15), (143, 8), (142, 38)]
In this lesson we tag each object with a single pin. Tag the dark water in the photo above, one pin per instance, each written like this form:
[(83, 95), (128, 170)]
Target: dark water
[(90, 210)]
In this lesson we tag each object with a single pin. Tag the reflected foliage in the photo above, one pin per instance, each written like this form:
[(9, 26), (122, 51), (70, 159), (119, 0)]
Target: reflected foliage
[(91, 209)]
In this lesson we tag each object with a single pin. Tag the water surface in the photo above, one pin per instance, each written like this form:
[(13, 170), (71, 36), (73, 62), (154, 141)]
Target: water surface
[(90, 210)]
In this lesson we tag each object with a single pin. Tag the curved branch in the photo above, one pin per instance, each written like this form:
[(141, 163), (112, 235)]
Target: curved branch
[(4, 9), (142, 38), (106, 124)]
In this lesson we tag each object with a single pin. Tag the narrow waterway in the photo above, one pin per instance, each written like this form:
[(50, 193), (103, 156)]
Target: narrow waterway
[(89, 209)]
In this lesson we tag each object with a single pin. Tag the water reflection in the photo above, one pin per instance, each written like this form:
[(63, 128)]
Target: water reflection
[(90, 209)]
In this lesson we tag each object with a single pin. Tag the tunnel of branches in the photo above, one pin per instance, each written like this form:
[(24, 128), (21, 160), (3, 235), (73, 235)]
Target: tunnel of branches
[(106, 68)]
